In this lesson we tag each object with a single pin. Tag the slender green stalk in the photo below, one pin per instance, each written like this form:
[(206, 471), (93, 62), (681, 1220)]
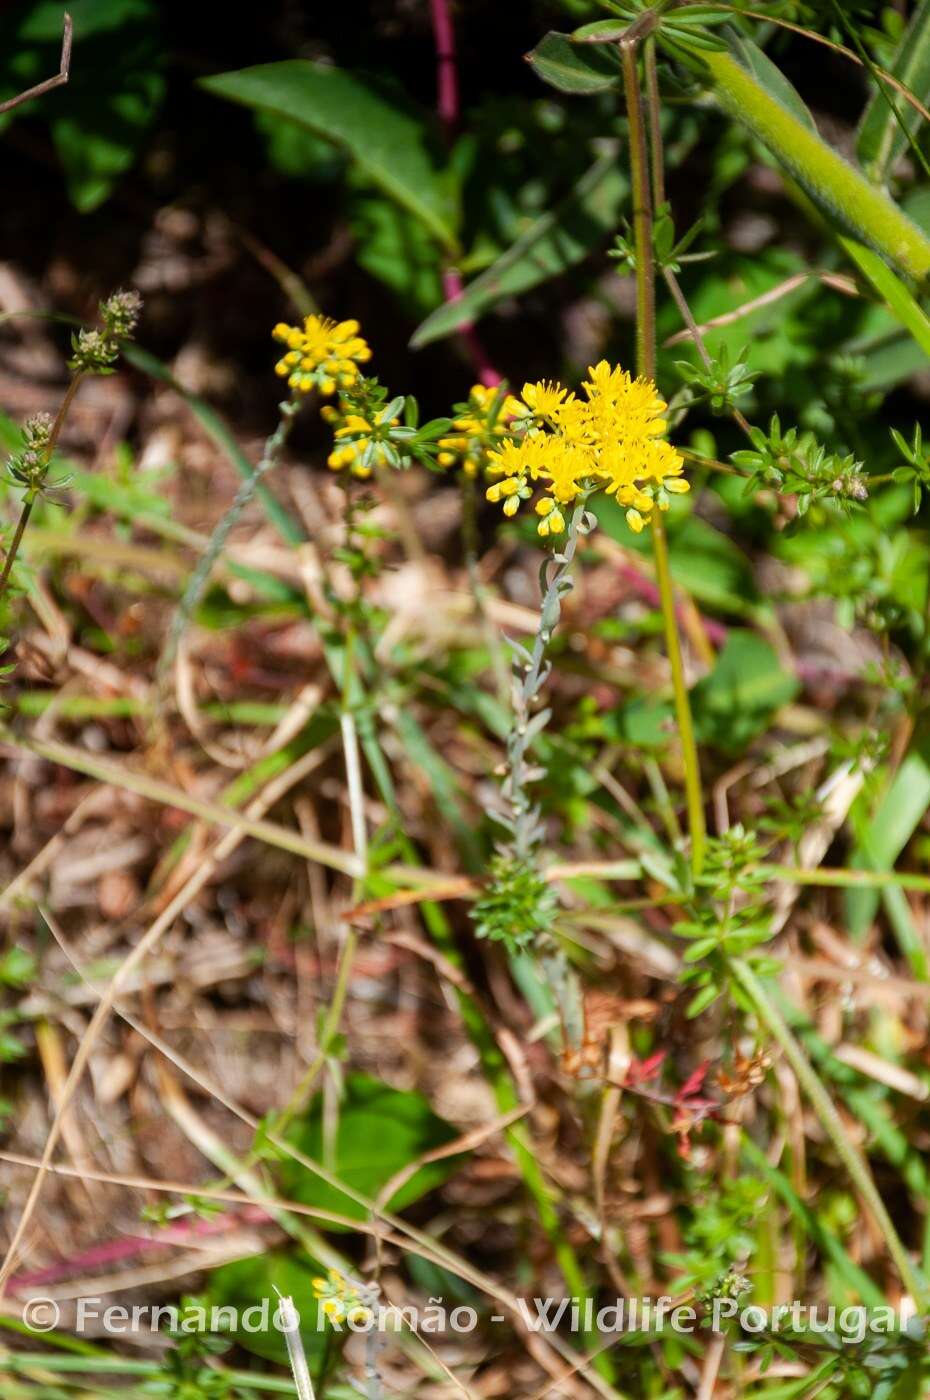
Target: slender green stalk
[(642, 216), (694, 794), (16, 542), (646, 365), (832, 1124), (847, 879)]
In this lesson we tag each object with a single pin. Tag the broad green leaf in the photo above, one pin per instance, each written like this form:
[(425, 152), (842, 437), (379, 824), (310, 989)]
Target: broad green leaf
[(882, 136), (736, 701), (245, 1284), (580, 69), (389, 140), (298, 153), (380, 1130), (395, 247), (555, 241)]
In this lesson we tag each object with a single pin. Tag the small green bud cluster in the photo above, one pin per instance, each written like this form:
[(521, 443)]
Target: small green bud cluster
[(96, 351), (29, 466)]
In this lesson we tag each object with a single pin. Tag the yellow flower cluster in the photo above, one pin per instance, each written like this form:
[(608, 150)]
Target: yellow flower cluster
[(361, 445), (479, 428), (611, 439), (340, 1299), (325, 355)]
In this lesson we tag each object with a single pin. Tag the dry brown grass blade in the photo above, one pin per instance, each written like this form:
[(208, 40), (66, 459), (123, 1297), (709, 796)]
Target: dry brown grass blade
[(240, 824)]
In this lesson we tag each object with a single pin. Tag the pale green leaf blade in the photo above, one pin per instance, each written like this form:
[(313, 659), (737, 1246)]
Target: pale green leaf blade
[(892, 826), (581, 69), (894, 293), (882, 135)]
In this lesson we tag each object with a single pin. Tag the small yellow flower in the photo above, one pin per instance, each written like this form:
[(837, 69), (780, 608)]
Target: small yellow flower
[(325, 354), (544, 399)]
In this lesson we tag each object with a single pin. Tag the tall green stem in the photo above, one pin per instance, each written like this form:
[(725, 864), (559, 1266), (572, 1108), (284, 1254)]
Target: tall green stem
[(646, 366), (642, 216), (16, 542)]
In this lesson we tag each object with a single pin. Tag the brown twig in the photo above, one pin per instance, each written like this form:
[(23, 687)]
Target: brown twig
[(60, 78)]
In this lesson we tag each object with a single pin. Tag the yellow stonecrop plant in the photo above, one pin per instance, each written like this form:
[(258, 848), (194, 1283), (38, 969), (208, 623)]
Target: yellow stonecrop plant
[(325, 355), (611, 439), (551, 444), (340, 1300)]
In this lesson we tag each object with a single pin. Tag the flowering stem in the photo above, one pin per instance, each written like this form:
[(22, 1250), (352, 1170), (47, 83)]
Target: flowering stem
[(646, 366), (29, 500), (63, 408), (642, 215), (530, 671), (15, 543)]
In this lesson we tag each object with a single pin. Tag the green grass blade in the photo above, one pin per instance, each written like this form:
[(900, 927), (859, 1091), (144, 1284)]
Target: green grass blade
[(882, 135)]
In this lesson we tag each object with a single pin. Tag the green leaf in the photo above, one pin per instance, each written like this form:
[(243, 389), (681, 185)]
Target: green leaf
[(554, 242), (737, 700), (389, 140), (882, 136), (770, 77), (380, 1130), (702, 1000), (768, 107), (246, 1283), (896, 296), (894, 822), (581, 69), (397, 248)]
